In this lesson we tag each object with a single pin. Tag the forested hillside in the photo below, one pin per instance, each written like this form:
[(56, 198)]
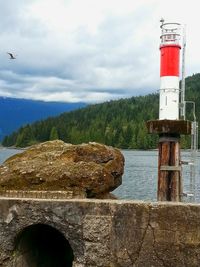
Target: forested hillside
[(118, 123)]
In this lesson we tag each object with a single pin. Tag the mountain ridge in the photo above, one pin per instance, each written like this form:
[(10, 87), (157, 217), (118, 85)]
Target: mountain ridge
[(15, 112), (119, 123)]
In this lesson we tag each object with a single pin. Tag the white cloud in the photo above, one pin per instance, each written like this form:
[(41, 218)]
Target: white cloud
[(88, 50)]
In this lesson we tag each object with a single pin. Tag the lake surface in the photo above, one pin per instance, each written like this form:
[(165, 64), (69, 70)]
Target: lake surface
[(7, 152), (140, 174)]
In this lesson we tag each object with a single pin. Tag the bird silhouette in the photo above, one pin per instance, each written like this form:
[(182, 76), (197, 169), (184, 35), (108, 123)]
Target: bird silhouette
[(11, 56)]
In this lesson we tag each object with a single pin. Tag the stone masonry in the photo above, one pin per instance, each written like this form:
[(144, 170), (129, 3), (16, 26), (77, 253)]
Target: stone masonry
[(103, 233)]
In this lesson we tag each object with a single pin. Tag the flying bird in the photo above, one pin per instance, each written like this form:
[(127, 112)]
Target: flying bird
[(11, 56)]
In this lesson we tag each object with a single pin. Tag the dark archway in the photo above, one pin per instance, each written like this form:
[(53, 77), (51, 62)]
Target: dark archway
[(41, 245)]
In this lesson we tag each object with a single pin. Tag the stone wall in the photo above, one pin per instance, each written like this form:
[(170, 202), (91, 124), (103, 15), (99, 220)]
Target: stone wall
[(103, 233)]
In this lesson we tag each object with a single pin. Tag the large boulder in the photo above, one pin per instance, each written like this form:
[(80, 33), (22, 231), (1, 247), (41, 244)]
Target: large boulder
[(92, 168)]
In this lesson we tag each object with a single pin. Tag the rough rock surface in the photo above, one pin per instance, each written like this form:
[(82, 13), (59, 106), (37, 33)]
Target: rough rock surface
[(101, 233), (91, 168)]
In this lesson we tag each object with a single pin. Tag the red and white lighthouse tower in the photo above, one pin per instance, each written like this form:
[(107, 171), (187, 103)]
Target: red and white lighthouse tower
[(169, 71), (169, 127)]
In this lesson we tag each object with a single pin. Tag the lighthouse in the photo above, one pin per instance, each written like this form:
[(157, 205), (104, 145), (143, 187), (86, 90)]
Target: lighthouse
[(169, 126), (170, 47)]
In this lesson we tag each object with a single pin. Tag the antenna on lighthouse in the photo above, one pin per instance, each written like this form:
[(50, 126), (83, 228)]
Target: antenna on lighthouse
[(162, 21)]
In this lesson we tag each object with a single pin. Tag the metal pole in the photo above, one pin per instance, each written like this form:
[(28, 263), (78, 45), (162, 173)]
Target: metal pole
[(182, 105), (194, 148)]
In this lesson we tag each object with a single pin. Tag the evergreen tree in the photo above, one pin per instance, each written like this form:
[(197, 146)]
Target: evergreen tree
[(53, 134), (25, 137), (127, 137)]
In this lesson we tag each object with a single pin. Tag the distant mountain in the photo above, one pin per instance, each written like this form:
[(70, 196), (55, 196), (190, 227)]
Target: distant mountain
[(15, 113), (119, 123)]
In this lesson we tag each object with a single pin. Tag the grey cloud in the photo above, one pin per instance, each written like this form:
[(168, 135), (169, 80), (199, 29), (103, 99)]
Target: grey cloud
[(112, 63)]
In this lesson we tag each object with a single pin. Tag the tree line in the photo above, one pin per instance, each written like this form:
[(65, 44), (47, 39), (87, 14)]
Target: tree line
[(119, 123)]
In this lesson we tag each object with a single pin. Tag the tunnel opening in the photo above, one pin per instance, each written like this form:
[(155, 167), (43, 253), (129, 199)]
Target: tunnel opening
[(42, 245)]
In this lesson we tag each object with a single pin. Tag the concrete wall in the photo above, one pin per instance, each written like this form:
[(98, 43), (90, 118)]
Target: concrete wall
[(105, 233)]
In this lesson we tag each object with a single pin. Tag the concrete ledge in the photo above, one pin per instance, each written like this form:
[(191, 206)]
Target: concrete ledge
[(42, 194), (107, 233), (169, 127)]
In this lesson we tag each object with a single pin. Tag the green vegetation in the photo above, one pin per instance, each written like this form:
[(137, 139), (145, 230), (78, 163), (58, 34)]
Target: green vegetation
[(118, 123), (53, 134)]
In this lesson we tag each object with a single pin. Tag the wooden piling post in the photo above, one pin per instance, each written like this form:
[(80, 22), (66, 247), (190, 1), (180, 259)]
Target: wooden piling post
[(169, 169), (169, 159)]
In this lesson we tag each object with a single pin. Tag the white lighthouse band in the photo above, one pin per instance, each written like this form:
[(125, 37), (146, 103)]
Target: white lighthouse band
[(169, 98)]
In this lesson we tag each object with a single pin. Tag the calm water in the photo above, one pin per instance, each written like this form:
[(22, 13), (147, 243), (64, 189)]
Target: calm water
[(6, 153), (140, 175), (139, 179)]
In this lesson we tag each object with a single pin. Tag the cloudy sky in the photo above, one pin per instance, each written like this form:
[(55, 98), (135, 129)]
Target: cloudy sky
[(88, 50)]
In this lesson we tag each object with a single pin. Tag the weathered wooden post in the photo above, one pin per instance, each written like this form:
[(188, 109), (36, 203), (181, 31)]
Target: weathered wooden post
[(169, 127), (169, 160)]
